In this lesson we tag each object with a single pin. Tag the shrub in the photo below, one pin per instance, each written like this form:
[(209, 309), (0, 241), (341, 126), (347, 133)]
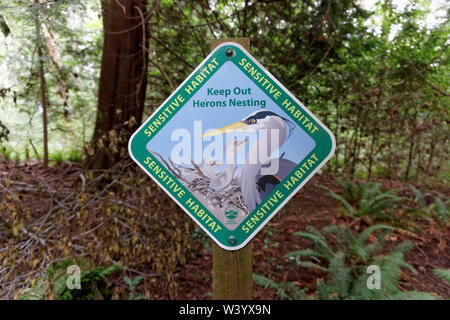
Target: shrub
[(108, 217), (437, 209), (53, 284), (367, 201), (345, 257)]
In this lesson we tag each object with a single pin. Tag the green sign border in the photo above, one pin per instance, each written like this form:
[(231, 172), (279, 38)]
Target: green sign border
[(236, 239)]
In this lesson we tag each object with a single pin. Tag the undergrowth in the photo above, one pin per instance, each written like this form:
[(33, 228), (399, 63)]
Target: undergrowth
[(345, 257), (367, 201), (54, 283), (117, 216)]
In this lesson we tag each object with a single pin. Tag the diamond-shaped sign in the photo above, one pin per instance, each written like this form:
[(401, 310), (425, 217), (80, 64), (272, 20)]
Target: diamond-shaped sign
[(231, 146)]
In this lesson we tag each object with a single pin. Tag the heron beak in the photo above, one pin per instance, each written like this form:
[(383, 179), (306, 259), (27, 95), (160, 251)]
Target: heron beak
[(237, 126)]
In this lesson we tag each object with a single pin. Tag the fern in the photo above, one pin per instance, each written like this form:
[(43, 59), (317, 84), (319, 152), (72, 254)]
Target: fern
[(441, 212), (54, 283), (264, 282), (36, 291), (420, 198), (349, 208), (339, 276), (437, 210), (348, 256), (366, 201), (363, 236), (321, 246), (444, 274), (414, 295), (285, 290)]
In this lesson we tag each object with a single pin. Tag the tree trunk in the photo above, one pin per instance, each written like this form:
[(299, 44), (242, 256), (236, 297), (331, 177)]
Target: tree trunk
[(410, 157), (123, 80), (43, 88)]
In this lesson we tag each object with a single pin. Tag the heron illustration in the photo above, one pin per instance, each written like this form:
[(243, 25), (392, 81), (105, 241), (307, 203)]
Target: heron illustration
[(255, 183), (222, 180)]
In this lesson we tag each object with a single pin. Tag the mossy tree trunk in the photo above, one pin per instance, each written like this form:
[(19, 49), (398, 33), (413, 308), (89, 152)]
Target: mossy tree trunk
[(123, 80)]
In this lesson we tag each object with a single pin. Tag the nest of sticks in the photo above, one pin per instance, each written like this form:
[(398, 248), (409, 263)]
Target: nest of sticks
[(199, 184)]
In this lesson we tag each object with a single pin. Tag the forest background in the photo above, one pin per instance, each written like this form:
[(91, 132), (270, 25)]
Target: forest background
[(78, 77)]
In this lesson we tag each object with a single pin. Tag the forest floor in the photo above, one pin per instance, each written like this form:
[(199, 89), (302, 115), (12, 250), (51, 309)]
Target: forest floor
[(312, 206)]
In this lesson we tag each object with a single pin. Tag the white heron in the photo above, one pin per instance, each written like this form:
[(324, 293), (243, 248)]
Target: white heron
[(255, 182), (219, 181)]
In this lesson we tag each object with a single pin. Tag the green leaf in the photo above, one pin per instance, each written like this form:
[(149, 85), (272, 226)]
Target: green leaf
[(362, 237), (441, 207), (342, 200), (302, 253), (265, 282), (414, 295), (4, 27), (419, 197), (309, 264), (127, 280), (444, 274), (339, 276), (320, 242)]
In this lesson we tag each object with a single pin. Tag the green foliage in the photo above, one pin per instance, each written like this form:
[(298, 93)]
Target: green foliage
[(437, 209), (132, 284), (53, 284), (36, 291), (367, 201), (72, 51), (199, 235), (444, 274), (378, 77), (69, 156), (285, 290), (345, 257)]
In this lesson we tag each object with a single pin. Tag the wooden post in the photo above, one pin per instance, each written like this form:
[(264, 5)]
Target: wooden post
[(232, 270)]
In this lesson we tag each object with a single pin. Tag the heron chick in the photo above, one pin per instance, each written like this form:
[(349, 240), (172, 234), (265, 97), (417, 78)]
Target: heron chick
[(255, 182)]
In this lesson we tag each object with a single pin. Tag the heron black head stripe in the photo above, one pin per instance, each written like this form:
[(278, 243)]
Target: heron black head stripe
[(262, 114)]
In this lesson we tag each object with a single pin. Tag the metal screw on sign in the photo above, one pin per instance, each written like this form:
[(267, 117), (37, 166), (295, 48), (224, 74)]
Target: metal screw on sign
[(232, 240), (229, 52)]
